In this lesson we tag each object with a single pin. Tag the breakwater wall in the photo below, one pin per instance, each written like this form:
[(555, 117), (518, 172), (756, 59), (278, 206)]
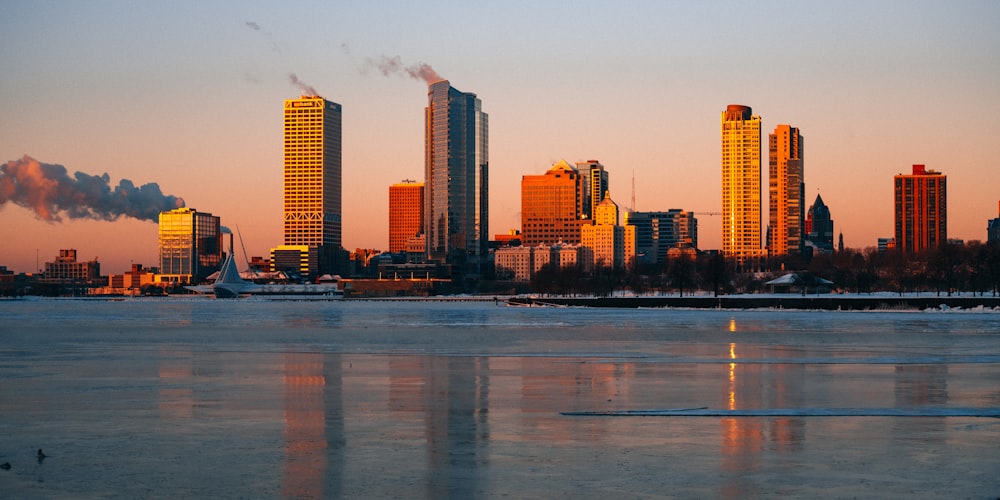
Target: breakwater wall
[(807, 302)]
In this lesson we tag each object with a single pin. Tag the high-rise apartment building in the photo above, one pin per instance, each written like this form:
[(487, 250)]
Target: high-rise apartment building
[(594, 186), (551, 206), (921, 203), (406, 213), (456, 201), (786, 187), (312, 194), (658, 232), (741, 195), (190, 245)]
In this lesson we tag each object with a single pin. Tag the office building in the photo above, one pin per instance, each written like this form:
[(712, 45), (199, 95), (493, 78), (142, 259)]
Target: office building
[(67, 269), (658, 232), (613, 246), (312, 179), (456, 201), (786, 187), (551, 206), (921, 209), (406, 213), (819, 226), (190, 245), (741, 194), (594, 183)]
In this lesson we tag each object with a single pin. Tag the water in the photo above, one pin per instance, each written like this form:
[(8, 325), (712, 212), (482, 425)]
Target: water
[(167, 398)]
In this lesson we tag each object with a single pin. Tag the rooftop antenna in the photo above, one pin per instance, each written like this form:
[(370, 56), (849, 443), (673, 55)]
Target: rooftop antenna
[(632, 208)]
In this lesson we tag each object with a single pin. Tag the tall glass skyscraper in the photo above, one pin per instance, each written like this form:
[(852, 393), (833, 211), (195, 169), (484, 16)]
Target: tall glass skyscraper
[(786, 189), (456, 201), (741, 196), (312, 194)]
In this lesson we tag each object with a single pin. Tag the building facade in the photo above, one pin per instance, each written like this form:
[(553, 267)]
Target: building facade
[(190, 245), (613, 246), (658, 232), (523, 263), (67, 268), (551, 206), (594, 185), (921, 209), (406, 213), (741, 190), (819, 226), (786, 189), (456, 201), (312, 178)]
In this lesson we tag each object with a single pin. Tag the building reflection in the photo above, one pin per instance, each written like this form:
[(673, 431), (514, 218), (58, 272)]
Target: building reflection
[(921, 386), (764, 385), (175, 397), (456, 424), (314, 426)]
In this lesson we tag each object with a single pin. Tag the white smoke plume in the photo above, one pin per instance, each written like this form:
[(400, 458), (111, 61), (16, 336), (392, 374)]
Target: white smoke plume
[(50, 192), (394, 65)]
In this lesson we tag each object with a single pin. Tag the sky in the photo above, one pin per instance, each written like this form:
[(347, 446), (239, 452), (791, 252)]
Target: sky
[(187, 97)]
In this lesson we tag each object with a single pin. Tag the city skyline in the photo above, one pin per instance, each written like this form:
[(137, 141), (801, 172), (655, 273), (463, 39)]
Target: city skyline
[(106, 89)]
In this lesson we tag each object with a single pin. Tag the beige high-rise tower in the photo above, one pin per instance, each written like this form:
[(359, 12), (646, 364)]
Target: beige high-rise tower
[(312, 182), (741, 195), (786, 190)]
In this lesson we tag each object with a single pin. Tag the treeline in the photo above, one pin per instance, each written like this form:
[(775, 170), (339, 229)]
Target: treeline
[(973, 267)]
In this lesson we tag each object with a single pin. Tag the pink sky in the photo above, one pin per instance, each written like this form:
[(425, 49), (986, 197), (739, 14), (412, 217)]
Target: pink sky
[(874, 90)]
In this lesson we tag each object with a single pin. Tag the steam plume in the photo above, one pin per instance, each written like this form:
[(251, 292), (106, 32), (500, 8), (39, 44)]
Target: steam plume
[(263, 32), (394, 66), (49, 191), (304, 87)]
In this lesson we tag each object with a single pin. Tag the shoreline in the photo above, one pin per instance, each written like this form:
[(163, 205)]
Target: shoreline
[(814, 302)]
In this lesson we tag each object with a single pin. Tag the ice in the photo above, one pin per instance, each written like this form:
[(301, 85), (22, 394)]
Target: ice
[(182, 397)]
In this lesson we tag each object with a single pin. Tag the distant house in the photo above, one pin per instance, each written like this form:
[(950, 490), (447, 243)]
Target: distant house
[(796, 283)]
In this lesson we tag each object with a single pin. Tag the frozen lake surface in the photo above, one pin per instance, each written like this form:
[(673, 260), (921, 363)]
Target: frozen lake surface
[(178, 397)]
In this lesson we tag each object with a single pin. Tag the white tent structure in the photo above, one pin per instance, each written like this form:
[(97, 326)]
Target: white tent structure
[(796, 283)]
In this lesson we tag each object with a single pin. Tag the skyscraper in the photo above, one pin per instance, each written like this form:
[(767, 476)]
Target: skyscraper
[(595, 186), (456, 200), (551, 206), (741, 198), (921, 210), (312, 194), (786, 188), (406, 213), (190, 245), (819, 226)]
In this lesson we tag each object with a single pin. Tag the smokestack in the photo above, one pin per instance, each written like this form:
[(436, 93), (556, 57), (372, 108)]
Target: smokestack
[(390, 66), (50, 191)]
